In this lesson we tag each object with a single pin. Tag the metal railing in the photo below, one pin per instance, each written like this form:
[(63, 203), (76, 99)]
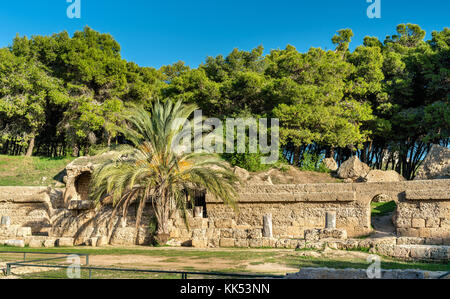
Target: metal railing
[(9, 266), (183, 274)]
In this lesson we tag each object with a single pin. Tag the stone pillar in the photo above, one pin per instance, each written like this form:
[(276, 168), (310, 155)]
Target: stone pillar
[(198, 212), (267, 226), (6, 221), (330, 221)]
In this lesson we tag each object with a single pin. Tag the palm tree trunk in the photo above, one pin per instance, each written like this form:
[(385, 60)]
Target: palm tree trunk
[(162, 210)]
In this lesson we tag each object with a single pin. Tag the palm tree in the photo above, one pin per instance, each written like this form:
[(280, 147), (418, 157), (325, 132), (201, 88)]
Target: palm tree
[(152, 170)]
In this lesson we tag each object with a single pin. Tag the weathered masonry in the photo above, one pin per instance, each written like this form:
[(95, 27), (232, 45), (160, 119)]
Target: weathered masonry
[(423, 211), (423, 207)]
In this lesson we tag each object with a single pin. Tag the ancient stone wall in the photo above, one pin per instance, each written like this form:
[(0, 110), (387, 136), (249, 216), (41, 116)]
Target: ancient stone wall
[(44, 211), (28, 206), (425, 214), (423, 211), (295, 208)]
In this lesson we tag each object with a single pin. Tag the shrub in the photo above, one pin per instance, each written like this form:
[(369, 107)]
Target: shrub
[(313, 162)]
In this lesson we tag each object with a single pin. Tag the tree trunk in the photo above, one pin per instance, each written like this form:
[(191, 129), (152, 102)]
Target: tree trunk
[(296, 160), (162, 211), (30, 147), (75, 151)]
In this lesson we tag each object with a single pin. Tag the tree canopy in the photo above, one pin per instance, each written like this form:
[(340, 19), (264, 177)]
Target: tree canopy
[(385, 101)]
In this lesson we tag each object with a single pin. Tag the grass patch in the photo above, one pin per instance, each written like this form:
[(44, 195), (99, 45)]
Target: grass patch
[(383, 208), (234, 255), (386, 263), (99, 274), (31, 171), (219, 260)]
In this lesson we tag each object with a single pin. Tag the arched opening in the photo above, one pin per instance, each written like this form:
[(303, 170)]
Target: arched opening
[(82, 185), (199, 201), (383, 209)]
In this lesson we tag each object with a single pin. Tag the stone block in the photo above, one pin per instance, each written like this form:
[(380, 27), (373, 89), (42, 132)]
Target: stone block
[(403, 223), (330, 220), (174, 233), (199, 234), (6, 221), (418, 223), (15, 243), (35, 243), (226, 242), (445, 223), (439, 233), (240, 233), (199, 243), (255, 243), (410, 241), (49, 243), (433, 241), (255, 233), (102, 241), (201, 223), (402, 252), (24, 231), (226, 233), (432, 222), (408, 232), (340, 234), (420, 252), (312, 234), (224, 223), (267, 226), (425, 232), (65, 242), (268, 242), (242, 243)]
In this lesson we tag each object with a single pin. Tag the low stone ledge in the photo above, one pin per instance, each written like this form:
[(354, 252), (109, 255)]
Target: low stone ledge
[(415, 252), (24, 194), (328, 273), (81, 205), (65, 242), (14, 243), (327, 233), (15, 231), (322, 197), (427, 195)]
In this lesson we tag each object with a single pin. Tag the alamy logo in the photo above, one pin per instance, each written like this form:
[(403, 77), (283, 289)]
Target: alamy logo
[(374, 270), (74, 9), (374, 10), (74, 269)]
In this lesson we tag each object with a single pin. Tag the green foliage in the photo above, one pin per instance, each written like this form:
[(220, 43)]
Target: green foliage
[(152, 169), (383, 208), (248, 161), (62, 95), (31, 171), (313, 162)]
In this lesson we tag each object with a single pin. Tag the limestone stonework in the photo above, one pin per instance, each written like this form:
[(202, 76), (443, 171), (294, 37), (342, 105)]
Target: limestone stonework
[(298, 212)]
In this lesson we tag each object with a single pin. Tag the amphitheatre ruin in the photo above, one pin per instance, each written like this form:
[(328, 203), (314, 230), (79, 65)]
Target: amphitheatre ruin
[(337, 215)]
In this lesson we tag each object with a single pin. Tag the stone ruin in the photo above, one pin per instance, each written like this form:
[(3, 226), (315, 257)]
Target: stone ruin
[(282, 216)]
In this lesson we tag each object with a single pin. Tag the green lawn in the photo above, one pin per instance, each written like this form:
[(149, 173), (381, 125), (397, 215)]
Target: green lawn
[(383, 208), (30, 171), (220, 260)]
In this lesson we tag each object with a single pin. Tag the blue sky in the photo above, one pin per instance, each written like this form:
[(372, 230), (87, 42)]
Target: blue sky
[(156, 33)]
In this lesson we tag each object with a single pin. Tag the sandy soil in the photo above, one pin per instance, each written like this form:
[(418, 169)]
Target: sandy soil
[(383, 226)]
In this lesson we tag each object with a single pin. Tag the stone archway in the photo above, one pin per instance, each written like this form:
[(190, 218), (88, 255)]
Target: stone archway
[(82, 183), (383, 208)]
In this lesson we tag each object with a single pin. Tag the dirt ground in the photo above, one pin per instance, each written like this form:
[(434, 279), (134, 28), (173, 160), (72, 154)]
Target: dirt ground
[(256, 265)]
